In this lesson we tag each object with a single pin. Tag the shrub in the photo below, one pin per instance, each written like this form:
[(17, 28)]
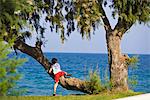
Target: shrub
[(8, 69), (93, 84), (133, 63)]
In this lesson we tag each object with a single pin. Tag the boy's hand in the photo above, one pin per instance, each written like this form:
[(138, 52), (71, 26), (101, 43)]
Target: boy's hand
[(68, 74)]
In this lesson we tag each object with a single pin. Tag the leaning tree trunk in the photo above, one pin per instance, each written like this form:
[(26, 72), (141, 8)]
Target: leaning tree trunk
[(37, 54), (117, 62)]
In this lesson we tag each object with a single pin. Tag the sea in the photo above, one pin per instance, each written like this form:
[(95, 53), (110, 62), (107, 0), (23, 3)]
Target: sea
[(38, 83)]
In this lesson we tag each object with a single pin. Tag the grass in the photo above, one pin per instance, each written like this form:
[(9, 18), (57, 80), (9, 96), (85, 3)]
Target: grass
[(101, 96)]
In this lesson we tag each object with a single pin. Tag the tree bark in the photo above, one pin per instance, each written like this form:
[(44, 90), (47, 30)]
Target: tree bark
[(117, 62), (37, 54)]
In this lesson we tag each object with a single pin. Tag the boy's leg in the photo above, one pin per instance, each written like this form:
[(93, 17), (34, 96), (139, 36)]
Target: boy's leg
[(57, 76), (55, 87)]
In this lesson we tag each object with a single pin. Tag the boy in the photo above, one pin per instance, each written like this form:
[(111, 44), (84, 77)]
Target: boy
[(57, 73)]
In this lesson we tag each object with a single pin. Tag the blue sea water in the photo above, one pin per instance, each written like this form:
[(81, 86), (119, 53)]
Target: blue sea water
[(37, 81)]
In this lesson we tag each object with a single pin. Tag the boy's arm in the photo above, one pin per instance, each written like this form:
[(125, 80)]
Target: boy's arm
[(50, 70)]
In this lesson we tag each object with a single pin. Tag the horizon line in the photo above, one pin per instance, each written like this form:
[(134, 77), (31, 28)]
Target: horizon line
[(98, 53)]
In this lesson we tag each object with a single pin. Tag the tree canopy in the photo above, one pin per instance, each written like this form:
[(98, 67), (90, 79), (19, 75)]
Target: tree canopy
[(13, 16), (67, 15)]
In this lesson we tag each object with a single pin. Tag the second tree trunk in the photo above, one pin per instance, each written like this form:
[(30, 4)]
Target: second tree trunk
[(117, 63)]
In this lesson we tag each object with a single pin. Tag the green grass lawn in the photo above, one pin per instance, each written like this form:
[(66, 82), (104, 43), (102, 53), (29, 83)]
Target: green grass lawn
[(102, 96)]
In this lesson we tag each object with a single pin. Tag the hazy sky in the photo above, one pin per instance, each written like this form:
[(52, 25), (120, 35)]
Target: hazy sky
[(136, 40)]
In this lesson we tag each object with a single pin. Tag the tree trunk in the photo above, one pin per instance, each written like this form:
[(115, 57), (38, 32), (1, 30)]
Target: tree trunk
[(117, 62), (36, 53)]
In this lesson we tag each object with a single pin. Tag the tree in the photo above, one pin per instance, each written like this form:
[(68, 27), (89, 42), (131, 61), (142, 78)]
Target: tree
[(8, 69), (90, 13), (86, 15), (17, 15), (128, 12)]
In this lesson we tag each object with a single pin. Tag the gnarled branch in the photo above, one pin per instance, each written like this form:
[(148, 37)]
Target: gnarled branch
[(106, 22), (122, 26)]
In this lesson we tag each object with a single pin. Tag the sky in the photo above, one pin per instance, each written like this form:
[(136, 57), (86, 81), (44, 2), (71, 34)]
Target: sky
[(135, 41)]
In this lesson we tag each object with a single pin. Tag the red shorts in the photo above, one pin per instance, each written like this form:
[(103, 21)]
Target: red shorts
[(58, 75)]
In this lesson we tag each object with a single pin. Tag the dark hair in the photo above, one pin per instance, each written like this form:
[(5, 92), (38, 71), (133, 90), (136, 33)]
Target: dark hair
[(54, 60)]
